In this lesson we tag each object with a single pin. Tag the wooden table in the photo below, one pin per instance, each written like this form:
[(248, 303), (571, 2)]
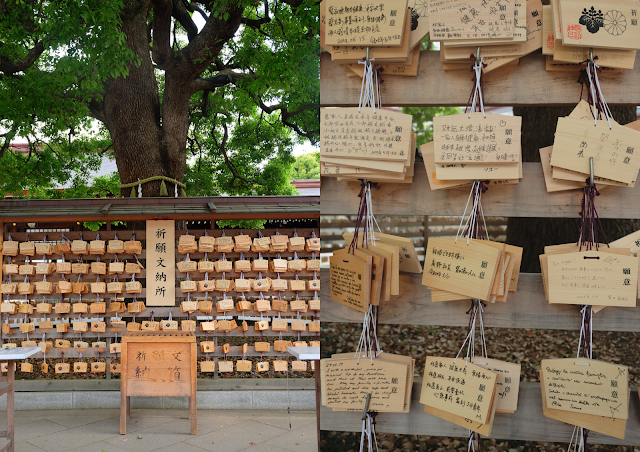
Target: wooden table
[(10, 355), (158, 363)]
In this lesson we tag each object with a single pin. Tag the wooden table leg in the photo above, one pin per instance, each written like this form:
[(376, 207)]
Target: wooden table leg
[(193, 399), (11, 370), (316, 368), (123, 412)]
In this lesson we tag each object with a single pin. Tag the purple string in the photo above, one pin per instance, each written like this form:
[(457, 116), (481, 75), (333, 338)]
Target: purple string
[(590, 220)]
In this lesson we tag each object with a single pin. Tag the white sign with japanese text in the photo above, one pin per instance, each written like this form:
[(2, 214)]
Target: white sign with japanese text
[(161, 263)]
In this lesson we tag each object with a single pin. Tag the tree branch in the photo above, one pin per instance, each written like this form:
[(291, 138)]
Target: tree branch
[(192, 7), (286, 114), (161, 25), (225, 77), (207, 44), (11, 67), (182, 15), (256, 23), (229, 164), (8, 136)]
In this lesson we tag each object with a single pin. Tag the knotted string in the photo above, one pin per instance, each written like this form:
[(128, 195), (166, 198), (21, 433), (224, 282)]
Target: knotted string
[(589, 220), (475, 227), (476, 102), (595, 98), (369, 432), (370, 89)]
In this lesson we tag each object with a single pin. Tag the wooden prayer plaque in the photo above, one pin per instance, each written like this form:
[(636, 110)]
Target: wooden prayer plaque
[(491, 139), (586, 386), (98, 367), (452, 20), (207, 366), (469, 269), (243, 366), (280, 366), (611, 24), (593, 278), (345, 384), (299, 366), (62, 368), (613, 150), (350, 281), (354, 22), (507, 384), (459, 388), (359, 140), (225, 366)]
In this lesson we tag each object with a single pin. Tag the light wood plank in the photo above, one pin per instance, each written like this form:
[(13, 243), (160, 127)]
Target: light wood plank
[(529, 198), (526, 308), (528, 83), (527, 423)]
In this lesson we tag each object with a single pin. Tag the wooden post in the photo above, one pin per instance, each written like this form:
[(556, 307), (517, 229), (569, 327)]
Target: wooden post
[(425, 232), (193, 399), (11, 371), (318, 398), (124, 400)]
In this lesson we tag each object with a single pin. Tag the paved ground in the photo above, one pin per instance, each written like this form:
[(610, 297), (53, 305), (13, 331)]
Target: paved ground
[(163, 430)]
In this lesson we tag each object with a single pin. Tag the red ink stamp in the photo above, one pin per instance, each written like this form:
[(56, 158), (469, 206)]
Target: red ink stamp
[(574, 31), (551, 42)]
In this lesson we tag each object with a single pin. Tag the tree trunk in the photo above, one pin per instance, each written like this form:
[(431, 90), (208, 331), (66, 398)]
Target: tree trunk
[(533, 234)]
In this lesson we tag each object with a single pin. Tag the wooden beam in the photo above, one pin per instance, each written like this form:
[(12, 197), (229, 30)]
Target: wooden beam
[(526, 308), (528, 83), (529, 198), (526, 424), (204, 384)]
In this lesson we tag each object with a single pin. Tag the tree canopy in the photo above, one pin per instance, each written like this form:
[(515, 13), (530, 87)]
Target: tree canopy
[(211, 93)]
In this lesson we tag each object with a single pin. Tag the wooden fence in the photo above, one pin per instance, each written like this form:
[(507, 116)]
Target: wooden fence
[(526, 84), (305, 209), (418, 228)]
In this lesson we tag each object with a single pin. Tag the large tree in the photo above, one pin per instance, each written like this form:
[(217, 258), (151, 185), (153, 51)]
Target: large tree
[(218, 90)]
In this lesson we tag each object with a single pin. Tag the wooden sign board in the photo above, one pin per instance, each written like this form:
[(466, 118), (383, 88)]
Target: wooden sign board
[(592, 278), (365, 134), (158, 368), (459, 19), (469, 269), (613, 150), (355, 22), (479, 139), (586, 386), (346, 383), (350, 279), (457, 387), (507, 384), (161, 263), (612, 24)]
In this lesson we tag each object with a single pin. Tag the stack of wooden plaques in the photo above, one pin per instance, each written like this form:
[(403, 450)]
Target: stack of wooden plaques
[(346, 380), (479, 269), (473, 147), (504, 32), (392, 29), (367, 143), (587, 393), (610, 29), (470, 393), (606, 277), (616, 162)]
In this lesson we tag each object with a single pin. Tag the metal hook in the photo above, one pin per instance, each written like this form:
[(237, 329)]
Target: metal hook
[(591, 183), (478, 55), (366, 407), (591, 55)]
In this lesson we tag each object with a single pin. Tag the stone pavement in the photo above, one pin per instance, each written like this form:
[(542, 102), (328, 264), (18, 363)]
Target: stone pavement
[(97, 430)]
